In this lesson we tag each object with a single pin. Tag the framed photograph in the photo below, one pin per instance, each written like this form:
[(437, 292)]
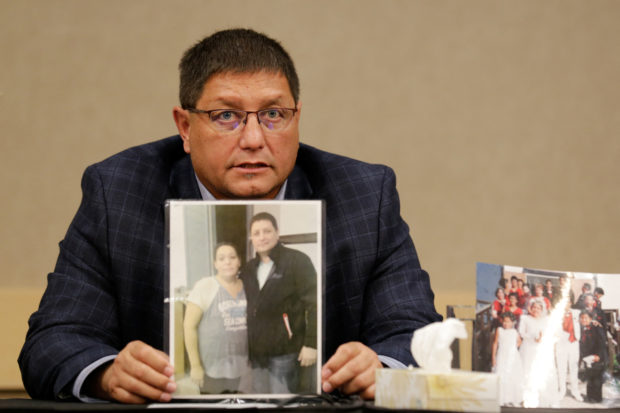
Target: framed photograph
[(244, 298), (551, 336)]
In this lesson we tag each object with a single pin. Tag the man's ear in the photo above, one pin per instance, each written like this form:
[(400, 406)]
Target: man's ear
[(181, 119)]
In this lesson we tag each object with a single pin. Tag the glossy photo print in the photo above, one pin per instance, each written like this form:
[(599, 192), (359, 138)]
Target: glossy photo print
[(551, 336), (244, 303)]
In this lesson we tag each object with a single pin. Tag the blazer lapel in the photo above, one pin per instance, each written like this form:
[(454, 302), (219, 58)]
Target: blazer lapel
[(183, 183), (298, 186)]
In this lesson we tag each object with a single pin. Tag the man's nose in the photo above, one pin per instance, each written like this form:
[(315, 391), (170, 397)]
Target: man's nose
[(252, 134)]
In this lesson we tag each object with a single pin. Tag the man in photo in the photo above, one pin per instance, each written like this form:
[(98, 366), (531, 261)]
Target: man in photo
[(586, 288), (280, 285), (551, 292), (567, 353), (571, 295), (592, 351), (598, 294)]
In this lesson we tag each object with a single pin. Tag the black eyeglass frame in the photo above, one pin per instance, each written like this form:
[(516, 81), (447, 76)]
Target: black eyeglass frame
[(247, 113)]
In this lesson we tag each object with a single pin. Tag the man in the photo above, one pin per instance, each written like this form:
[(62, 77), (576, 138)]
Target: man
[(567, 353), (585, 289), (597, 314), (551, 293), (598, 294), (563, 288), (98, 330), (280, 285), (592, 351), (514, 287)]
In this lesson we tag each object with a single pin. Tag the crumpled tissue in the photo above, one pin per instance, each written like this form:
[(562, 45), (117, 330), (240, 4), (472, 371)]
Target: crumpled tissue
[(430, 345)]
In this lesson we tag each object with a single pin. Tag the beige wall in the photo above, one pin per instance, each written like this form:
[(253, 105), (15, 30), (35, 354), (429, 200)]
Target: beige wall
[(501, 118)]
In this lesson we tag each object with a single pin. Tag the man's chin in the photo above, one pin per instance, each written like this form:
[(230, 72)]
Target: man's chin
[(254, 191)]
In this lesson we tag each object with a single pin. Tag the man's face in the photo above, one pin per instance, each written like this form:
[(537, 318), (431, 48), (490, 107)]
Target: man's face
[(588, 301), (249, 162), (585, 320), (263, 236)]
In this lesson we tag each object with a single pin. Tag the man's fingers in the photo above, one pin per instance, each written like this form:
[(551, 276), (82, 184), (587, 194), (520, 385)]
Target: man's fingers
[(351, 369), (369, 393), (343, 354), (350, 377), (150, 356), (360, 382), (137, 374), (136, 382), (124, 396)]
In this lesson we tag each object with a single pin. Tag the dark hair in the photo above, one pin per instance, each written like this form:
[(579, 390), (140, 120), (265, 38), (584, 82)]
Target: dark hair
[(587, 286), (514, 277), (515, 295), (599, 290), (508, 314), (224, 244), (264, 216), (498, 290), (586, 312), (236, 51)]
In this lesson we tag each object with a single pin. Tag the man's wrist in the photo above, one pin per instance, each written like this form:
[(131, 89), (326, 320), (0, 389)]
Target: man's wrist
[(84, 385), (390, 362)]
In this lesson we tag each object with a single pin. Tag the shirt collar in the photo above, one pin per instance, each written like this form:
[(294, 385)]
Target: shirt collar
[(208, 196)]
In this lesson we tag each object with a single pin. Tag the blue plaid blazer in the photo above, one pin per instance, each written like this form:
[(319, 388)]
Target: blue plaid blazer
[(107, 288)]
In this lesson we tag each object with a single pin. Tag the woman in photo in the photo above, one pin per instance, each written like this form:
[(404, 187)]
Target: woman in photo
[(539, 297), (539, 371), (512, 307), (506, 361), (524, 300), (215, 327), (498, 306)]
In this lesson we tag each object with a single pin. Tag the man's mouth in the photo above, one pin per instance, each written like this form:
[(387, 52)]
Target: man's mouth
[(250, 166)]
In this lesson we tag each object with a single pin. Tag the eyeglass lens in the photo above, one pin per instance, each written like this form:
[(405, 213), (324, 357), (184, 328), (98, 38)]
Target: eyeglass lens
[(230, 120)]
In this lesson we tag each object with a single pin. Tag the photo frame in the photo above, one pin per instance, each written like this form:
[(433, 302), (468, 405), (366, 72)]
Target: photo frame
[(551, 336), (243, 299)]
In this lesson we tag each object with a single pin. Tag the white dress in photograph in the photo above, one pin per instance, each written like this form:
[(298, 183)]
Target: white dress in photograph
[(544, 368), (508, 367)]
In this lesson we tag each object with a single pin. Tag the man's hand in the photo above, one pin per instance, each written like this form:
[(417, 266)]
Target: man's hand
[(307, 356), (352, 370), (138, 374)]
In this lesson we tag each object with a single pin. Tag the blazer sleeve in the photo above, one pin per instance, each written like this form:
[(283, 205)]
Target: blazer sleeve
[(398, 294), (76, 323)]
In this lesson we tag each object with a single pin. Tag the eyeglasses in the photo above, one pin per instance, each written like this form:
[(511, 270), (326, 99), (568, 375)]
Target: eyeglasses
[(230, 120)]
